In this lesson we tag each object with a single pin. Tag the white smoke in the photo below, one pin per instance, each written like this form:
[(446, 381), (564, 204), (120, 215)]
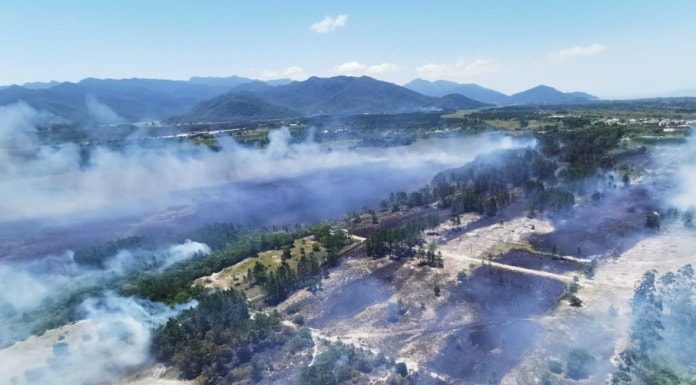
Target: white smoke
[(31, 286), (113, 340), (684, 158), (128, 260), (51, 181), (101, 113)]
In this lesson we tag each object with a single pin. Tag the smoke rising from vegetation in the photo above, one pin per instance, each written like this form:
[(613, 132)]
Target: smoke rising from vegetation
[(684, 158), (100, 113), (44, 181), (113, 339), (29, 287)]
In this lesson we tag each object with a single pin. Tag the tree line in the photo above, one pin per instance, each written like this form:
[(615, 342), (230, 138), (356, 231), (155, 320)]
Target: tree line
[(663, 342)]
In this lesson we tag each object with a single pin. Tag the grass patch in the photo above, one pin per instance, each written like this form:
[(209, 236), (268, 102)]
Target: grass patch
[(234, 276), (505, 247), (505, 124)]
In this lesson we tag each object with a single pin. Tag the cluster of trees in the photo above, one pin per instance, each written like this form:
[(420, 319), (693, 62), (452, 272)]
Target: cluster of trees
[(430, 257), (491, 182), (332, 240), (579, 365), (96, 256), (554, 199), (175, 284), (342, 363), (663, 342), (282, 281), (401, 199), (488, 183), (584, 149), (216, 236), (208, 341), (399, 242)]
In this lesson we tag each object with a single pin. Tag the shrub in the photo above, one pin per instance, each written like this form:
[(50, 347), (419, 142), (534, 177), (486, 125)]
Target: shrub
[(580, 364), (555, 366)]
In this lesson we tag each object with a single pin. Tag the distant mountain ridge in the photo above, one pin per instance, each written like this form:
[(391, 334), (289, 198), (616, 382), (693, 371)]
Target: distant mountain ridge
[(132, 99), (340, 95), (548, 95), (538, 95), (138, 99), (440, 88)]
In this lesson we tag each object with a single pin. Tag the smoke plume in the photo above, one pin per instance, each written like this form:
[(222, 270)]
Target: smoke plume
[(39, 181)]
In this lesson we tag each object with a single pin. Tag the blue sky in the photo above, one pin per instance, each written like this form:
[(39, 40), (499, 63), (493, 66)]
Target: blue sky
[(609, 48)]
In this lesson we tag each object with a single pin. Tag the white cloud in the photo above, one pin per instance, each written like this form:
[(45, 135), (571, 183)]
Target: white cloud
[(351, 68), (577, 51), (330, 24), (292, 72), (460, 70), (355, 68), (384, 68)]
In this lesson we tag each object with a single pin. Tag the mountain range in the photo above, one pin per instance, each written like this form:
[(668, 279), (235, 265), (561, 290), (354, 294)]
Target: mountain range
[(230, 99), (445, 87), (130, 99), (538, 95), (340, 95)]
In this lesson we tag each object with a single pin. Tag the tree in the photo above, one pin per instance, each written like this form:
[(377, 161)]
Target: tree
[(647, 309), (652, 220), (259, 273), (688, 219), (286, 253), (401, 369), (580, 364)]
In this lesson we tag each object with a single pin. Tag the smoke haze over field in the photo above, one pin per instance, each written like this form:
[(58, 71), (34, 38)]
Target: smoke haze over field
[(683, 159), (284, 182), (112, 340), (55, 181), (29, 287)]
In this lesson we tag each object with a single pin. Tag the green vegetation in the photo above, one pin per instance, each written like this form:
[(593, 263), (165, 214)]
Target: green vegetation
[(399, 242), (345, 363), (207, 341), (579, 364), (96, 256), (663, 343), (489, 183), (175, 285), (282, 281)]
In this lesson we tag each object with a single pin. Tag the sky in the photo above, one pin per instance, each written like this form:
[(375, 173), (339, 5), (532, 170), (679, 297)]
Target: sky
[(618, 48)]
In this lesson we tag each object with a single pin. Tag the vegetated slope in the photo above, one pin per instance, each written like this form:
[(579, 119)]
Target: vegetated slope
[(341, 95), (548, 95), (131, 99), (227, 82), (238, 107), (347, 95), (440, 88), (455, 102)]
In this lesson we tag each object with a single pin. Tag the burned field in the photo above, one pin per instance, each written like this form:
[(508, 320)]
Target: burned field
[(504, 304)]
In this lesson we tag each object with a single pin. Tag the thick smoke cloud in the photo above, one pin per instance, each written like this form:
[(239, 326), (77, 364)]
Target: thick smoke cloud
[(55, 181), (29, 287), (39, 183), (683, 159), (112, 340)]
